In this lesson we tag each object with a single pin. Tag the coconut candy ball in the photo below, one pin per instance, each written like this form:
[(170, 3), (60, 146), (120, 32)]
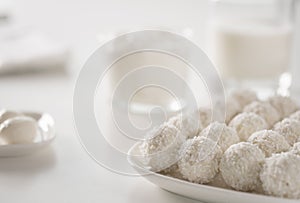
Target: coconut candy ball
[(161, 147), (284, 105), (240, 166), (247, 123), (265, 110), (289, 129), (296, 149), (199, 162), (244, 96), (269, 142), (295, 116), (188, 125), (222, 134), (232, 108), (19, 130), (280, 175)]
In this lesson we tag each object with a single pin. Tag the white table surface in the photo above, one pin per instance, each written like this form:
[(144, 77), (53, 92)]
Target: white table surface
[(64, 172)]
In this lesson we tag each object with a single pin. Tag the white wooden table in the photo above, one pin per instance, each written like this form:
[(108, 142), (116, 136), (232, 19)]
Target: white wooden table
[(64, 172)]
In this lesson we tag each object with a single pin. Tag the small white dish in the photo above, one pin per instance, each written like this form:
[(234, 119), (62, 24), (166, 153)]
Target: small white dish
[(200, 192), (45, 137)]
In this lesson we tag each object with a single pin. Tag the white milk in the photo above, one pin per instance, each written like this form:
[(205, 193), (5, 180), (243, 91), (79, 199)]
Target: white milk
[(153, 96), (149, 96), (243, 52), (157, 96)]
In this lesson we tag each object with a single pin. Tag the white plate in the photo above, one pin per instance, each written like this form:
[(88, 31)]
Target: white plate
[(200, 192), (46, 136)]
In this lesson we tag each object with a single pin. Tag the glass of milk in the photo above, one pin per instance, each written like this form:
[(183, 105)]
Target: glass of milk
[(250, 42), (152, 96)]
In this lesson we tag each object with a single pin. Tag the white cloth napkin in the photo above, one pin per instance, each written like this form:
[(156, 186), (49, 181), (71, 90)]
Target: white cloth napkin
[(24, 50)]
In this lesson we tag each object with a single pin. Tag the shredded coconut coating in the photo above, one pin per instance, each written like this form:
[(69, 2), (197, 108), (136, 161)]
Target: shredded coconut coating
[(280, 176), (232, 108), (290, 129), (161, 147), (199, 161), (188, 125), (296, 116), (284, 105), (265, 110), (246, 124), (269, 142), (244, 96), (240, 166), (296, 149), (224, 136)]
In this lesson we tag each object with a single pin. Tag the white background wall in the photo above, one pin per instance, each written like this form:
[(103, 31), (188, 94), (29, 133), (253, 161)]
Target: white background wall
[(79, 22)]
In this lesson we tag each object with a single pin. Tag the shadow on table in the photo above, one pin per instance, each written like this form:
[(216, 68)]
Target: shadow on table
[(29, 164), (54, 72), (157, 194)]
